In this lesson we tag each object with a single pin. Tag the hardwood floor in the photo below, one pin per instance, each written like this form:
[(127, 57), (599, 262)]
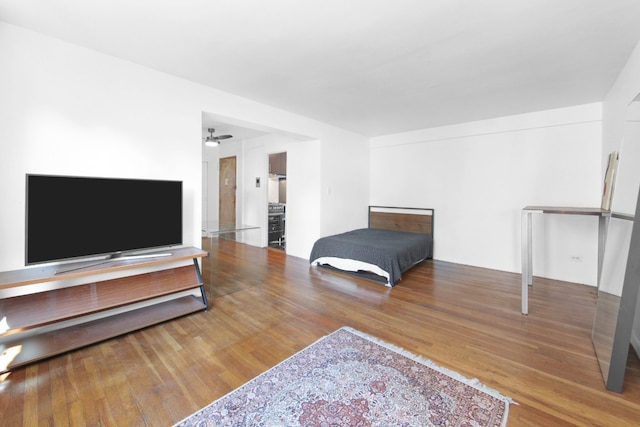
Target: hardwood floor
[(265, 306)]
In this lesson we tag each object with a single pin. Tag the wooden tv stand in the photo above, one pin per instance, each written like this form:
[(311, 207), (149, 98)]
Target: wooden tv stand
[(92, 303)]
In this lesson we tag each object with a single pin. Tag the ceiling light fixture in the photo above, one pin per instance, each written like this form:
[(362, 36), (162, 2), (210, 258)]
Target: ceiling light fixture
[(214, 141)]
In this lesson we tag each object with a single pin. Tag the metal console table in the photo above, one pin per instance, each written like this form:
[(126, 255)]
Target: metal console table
[(527, 257)]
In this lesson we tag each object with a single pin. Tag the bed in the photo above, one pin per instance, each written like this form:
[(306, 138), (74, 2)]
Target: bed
[(397, 239)]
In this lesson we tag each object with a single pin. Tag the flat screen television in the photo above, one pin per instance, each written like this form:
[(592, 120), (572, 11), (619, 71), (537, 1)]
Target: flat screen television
[(69, 217)]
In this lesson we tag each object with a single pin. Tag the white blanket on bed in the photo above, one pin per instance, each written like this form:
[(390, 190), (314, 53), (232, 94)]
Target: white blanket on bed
[(351, 265)]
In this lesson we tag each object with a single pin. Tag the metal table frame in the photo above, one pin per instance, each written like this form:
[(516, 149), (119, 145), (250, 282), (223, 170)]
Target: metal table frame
[(527, 256)]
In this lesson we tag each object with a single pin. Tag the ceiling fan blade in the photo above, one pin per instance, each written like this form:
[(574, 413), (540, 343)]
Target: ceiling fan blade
[(216, 138)]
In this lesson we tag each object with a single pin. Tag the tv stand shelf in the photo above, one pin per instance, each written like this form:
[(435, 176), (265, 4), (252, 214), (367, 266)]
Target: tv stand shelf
[(50, 322)]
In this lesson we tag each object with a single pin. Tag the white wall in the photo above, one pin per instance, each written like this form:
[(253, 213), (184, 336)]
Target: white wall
[(614, 106), (210, 182), (478, 176), (73, 111), (303, 190), (345, 184)]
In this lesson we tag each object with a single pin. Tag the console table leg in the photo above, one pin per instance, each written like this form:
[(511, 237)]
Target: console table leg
[(603, 222), (527, 258)]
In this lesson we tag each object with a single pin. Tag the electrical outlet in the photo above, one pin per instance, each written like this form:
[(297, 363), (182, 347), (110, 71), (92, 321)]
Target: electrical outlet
[(576, 258)]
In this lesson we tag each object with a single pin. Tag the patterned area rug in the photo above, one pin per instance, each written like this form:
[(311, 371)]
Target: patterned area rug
[(349, 378)]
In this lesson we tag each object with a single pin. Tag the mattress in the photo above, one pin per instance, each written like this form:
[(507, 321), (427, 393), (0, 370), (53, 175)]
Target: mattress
[(371, 249)]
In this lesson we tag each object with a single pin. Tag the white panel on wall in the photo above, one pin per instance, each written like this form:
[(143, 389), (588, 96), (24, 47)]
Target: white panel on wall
[(345, 187), (303, 197), (254, 209), (211, 157), (205, 193)]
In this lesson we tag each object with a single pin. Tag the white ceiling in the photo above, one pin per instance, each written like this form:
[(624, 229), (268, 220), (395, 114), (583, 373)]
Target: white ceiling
[(371, 66)]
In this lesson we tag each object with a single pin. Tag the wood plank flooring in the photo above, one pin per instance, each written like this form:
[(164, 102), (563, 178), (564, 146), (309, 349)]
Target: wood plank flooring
[(265, 306)]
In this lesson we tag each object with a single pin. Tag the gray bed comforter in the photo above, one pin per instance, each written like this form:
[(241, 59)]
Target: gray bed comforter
[(392, 251)]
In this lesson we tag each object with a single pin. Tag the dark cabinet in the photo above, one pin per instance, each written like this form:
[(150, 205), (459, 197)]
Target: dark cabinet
[(278, 164)]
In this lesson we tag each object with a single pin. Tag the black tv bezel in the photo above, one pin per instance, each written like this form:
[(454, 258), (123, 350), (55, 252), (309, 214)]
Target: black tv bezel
[(108, 255)]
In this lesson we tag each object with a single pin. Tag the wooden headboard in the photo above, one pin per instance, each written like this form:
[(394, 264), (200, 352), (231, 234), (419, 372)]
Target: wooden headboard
[(414, 220)]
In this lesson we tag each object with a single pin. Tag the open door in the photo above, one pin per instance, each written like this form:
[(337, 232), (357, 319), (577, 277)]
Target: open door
[(277, 196)]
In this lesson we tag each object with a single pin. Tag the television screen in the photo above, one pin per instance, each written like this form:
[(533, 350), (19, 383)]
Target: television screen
[(71, 217)]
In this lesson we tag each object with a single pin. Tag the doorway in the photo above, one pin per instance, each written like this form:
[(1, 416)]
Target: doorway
[(227, 193), (277, 196)]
